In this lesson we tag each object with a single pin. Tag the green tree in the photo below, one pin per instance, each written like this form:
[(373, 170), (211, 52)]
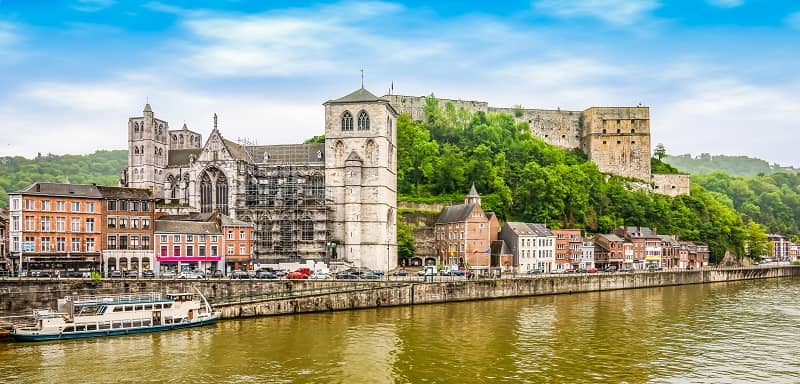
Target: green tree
[(756, 241), (660, 151), (319, 139)]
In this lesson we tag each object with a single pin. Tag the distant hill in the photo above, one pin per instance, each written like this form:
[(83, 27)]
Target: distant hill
[(101, 167), (732, 165)]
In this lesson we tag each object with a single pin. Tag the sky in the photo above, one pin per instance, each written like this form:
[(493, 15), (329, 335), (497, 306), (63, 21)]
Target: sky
[(720, 76)]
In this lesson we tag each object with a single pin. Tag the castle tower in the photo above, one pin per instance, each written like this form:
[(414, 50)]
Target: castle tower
[(617, 139), (361, 178), (147, 151)]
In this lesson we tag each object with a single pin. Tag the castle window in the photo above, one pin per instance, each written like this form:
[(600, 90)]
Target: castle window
[(389, 126), (633, 143), (159, 152), (347, 121), (605, 142), (135, 150), (633, 131), (619, 142), (619, 130), (363, 121), (604, 131)]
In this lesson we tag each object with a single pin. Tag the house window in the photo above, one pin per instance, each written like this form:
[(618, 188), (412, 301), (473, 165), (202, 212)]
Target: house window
[(176, 250), (112, 242), (189, 238), (241, 249), (134, 205), (347, 121), (145, 242), (214, 239), (76, 244), (145, 206), (76, 206), (189, 250), (145, 223), (123, 242), (163, 238), (134, 242), (230, 249), (76, 224), (61, 244), (45, 205), (111, 205), (90, 207), (176, 238), (46, 224), (163, 251), (230, 235), (135, 223), (123, 205), (90, 244), (214, 251), (112, 222), (363, 121), (123, 222), (241, 235), (201, 250), (45, 243)]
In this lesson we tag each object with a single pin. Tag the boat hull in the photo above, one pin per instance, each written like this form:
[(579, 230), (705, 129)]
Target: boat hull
[(25, 337)]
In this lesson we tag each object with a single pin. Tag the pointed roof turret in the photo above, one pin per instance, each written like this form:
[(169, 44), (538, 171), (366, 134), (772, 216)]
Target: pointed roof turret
[(147, 108), (185, 128), (473, 197), (473, 192)]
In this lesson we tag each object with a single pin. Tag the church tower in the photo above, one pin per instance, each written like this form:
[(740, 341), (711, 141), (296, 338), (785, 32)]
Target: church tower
[(361, 178), (147, 152)]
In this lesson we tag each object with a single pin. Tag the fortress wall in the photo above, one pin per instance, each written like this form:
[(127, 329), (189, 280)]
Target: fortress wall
[(555, 127), (671, 185)]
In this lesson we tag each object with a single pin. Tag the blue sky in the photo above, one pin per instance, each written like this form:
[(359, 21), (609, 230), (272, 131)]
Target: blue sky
[(720, 76)]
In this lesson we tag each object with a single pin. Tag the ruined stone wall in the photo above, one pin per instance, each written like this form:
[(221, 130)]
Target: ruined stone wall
[(617, 139), (671, 185), (555, 127), (414, 106)]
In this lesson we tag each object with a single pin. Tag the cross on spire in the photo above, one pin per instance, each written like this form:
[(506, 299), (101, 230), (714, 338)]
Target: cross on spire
[(362, 78)]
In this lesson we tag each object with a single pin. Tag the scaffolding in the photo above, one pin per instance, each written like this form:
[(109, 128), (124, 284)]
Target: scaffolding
[(285, 199)]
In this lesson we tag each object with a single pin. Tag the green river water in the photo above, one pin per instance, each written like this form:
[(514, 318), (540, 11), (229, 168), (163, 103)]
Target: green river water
[(742, 332)]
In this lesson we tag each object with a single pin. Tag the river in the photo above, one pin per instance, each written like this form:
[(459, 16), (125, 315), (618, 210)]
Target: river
[(715, 333)]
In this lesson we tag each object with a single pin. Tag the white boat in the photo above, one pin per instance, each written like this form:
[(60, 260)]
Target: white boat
[(97, 316)]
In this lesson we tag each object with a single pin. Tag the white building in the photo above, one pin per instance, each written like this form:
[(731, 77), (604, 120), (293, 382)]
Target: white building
[(587, 254), (533, 246)]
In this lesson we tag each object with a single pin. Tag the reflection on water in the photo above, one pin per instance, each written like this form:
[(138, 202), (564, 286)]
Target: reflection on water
[(727, 332)]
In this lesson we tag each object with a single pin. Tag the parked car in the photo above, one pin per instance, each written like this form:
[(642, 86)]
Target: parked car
[(569, 270), (281, 273), (458, 272), (148, 274), (132, 274), (299, 273), (378, 272), (401, 272), (654, 268), (592, 270), (116, 274), (217, 273), (168, 275), (610, 269), (626, 270), (239, 275), (319, 276), (190, 275), (266, 275), (582, 270), (370, 276), (346, 276), (535, 271)]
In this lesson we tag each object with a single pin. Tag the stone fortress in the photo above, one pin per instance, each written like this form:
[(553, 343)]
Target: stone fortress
[(617, 139)]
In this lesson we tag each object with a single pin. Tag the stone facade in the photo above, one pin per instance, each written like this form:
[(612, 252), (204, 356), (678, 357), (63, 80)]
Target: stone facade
[(307, 201), (617, 139)]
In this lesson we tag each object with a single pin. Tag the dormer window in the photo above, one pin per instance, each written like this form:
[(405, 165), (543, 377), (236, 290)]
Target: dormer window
[(363, 121), (347, 121)]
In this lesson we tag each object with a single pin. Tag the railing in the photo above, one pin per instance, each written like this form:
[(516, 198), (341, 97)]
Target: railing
[(100, 299)]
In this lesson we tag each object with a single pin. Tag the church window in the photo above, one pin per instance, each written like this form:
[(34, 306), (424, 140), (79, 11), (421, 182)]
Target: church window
[(159, 152), (181, 139), (222, 194), (347, 121), (205, 193), (371, 152), (363, 121), (391, 154), (136, 150), (389, 127), (266, 156), (308, 229), (141, 149), (174, 139)]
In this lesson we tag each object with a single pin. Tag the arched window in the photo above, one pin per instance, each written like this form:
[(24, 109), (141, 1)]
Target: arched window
[(371, 152), (135, 150), (363, 121), (206, 191), (173, 186), (135, 174), (181, 139), (308, 229), (160, 153), (389, 126), (347, 121), (136, 127), (174, 139), (222, 194), (339, 150), (186, 189), (141, 149)]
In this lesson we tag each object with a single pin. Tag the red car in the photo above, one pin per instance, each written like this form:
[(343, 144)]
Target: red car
[(592, 270), (300, 273)]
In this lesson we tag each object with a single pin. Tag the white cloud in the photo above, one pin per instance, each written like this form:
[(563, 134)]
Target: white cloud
[(92, 5), (617, 12), (726, 3)]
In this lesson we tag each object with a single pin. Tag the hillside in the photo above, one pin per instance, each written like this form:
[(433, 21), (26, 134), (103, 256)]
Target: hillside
[(100, 167), (732, 165), (521, 178)]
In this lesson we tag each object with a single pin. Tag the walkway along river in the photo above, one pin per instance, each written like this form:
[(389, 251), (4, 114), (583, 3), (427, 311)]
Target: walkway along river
[(711, 333), (237, 298)]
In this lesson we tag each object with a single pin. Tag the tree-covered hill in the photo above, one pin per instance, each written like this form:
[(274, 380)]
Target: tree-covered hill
[(101, 167), (732, 165), (523, 178)]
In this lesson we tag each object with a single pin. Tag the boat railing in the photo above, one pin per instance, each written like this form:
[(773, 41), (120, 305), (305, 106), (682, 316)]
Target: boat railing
[(127, 297)]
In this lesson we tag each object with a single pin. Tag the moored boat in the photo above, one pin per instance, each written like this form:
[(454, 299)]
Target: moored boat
[(111, 315)]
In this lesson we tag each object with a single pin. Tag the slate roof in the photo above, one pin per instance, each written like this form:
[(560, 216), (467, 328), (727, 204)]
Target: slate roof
[(237, 151), (640, 232), (288, 153), (180, 226), (529, 229), (610, 236), (455, 213), (228, 221), (360, 95), (206, 216), (540, 230), (499, 247), (179, 157), (60, 189), (125, 193)]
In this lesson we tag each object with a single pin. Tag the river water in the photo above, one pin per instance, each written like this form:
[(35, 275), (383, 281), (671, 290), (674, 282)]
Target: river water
[(716, 333)]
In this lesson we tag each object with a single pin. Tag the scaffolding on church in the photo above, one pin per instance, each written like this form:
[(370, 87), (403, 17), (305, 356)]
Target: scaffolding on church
[(285, 199)]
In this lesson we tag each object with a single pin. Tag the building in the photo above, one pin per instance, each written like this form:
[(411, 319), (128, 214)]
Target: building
[(205, 242), (609, 252), (646, 245), (568, 248), (670, 251), (779, 247), (128, 225), (617, 139), (587, 254), (57, 227), (533, 246), (464, 234), (697, 254), (502, 256), (6, 265), (333, 201)]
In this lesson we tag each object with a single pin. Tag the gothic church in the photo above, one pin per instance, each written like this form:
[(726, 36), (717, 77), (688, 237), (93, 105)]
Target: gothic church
[(335, 201)]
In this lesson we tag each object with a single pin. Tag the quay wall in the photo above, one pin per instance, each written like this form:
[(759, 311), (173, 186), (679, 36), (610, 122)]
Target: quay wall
[(243, 298)]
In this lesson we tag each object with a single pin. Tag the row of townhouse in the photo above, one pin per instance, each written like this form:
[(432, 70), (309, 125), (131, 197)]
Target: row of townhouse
[(76, 228), (468, 237), (782, 248)]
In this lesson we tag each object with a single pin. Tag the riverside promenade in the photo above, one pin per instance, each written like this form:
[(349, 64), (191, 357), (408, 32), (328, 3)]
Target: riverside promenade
[(249, 298)]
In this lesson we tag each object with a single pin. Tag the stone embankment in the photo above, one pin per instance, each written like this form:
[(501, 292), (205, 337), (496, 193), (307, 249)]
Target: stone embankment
[(247, 298)]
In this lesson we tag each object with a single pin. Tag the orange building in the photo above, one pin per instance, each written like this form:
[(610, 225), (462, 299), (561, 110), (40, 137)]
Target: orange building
[(568, 248), (464, 234), (128, 223), (56, 227)]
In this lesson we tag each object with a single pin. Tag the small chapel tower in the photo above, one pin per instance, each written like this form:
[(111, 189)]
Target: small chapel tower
[(147, 152), (361, 178)]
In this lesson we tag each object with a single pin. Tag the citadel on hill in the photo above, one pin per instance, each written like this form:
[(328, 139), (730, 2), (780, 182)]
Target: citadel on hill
[(338, 200)]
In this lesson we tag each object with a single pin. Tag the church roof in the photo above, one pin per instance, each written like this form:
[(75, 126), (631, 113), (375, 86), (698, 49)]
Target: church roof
[(360, 95), (237, 151), (179, 157), (473, 192), (287, 153), (147, 108), (455, 213)]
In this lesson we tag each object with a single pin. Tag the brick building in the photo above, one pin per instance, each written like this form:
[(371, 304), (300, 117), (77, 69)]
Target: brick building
[(6, 264), (568, 248), (646, 245), (128, 223), (464, 233), (608, 251), (57, 227)]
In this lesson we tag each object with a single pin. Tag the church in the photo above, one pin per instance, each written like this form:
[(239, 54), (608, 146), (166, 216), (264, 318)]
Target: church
[(331, 202)]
